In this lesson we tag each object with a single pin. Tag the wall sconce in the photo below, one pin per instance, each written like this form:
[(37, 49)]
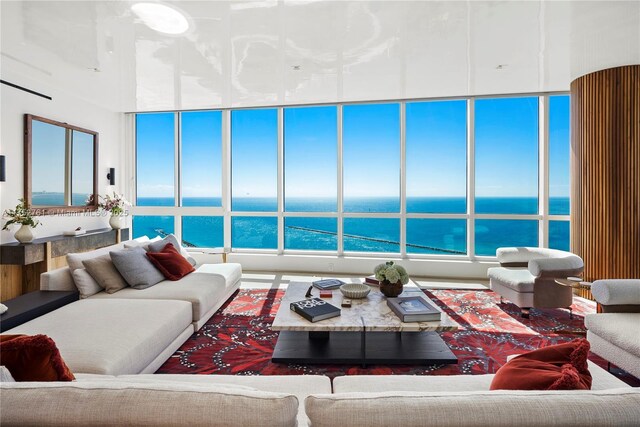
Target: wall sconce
[(111, 176), (3, 169)]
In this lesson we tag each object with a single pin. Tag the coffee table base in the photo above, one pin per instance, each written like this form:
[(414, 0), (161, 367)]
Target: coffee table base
[(372, 348)]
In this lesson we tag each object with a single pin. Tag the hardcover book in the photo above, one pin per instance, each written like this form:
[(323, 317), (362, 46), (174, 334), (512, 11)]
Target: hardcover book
[(315, 309), (414, 309), (327, 284), (371, 280)]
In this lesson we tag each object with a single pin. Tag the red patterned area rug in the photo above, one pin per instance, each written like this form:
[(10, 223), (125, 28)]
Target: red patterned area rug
[(238, 339)]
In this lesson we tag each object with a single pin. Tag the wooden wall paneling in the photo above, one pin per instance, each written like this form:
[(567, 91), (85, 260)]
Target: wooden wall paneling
[(605, 172), (11, 285)]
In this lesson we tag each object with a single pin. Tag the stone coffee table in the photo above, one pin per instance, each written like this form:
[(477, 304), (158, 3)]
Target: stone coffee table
[(366, 333)]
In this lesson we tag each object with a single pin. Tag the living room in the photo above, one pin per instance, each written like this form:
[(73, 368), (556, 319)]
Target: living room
[(178, 178)]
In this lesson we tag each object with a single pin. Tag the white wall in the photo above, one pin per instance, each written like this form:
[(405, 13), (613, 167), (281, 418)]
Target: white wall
[(64, 108)]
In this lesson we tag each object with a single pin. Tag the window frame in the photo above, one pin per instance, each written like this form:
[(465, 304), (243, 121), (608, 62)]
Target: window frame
[(542, 216)]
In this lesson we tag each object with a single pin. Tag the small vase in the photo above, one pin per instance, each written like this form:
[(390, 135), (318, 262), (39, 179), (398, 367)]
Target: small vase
[(24, 234), (116, 222), (390, 290)]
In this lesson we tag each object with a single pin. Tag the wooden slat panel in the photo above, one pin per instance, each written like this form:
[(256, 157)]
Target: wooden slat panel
[(11, 285), (605, 172)]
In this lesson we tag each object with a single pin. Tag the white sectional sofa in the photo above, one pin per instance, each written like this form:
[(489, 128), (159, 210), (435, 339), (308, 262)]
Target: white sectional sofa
[(132, 331), (309, 400)]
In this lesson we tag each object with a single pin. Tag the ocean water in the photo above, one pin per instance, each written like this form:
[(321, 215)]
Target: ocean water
[(57, 199), (424, 236)]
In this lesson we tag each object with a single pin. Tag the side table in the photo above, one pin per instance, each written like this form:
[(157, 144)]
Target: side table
[(33, 304), (580, 288)]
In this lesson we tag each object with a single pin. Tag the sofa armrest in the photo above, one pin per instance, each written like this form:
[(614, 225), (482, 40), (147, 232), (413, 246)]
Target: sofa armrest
[(571, 265), (616, 291), (59, 279)]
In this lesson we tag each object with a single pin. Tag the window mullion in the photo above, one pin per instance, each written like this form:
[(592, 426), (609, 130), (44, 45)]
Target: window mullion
[(177, 143), (543, 171), (403, 181), (226, 176), (471, 178), (280, 180), (339, 181)]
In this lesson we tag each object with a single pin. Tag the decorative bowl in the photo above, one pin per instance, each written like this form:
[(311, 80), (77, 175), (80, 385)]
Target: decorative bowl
[(355, 290)]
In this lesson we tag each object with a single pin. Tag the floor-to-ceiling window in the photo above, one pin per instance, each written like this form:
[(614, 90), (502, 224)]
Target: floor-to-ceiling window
[(417, 179), (310, 169)]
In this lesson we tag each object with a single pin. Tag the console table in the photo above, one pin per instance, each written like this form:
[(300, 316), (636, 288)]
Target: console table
[(34, 304), (21, 264)]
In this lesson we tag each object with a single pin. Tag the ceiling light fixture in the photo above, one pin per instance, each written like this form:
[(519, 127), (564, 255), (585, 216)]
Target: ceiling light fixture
[(161, 18)]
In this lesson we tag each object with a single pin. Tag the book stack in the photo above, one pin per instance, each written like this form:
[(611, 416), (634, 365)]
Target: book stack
[(314, 309)]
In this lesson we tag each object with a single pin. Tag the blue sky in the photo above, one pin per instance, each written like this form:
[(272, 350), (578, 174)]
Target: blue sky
[(48, 159), (506, 145)]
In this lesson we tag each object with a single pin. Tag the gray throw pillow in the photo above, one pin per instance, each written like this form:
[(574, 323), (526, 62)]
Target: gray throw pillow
[(136, 268), (105, 273), (159, 245)]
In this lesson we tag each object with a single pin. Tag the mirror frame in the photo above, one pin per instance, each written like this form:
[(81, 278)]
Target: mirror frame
[(28, 149)]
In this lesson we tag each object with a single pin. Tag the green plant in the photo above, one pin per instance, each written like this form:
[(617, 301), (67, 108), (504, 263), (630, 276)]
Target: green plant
[(20, 215), (114, 204), (391, 272)]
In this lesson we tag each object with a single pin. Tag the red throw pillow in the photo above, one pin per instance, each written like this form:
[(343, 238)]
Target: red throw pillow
[(557, 367), (170, 262), (33, 358)]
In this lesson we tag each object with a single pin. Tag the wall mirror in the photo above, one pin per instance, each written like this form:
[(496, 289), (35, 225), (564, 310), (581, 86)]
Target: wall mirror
[(61, 163)]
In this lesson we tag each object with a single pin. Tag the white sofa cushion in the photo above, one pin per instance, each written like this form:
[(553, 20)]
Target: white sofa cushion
[(112, 337), (421, 383), (621, 329), (299, 385), (117, 403), (231, 272), (620, 407), (204, 288), (518, 279), (602, 380), (616, 292)]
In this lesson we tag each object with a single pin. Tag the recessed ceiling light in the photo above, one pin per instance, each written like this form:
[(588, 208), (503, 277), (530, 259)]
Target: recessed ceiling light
[(161, 18)]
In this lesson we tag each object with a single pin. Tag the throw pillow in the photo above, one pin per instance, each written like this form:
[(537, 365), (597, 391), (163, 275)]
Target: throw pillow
[(5, 375), (33, 358), (159, 245), (169, 261), (105, 273), (557, 367), (136, 268), (86, 284)]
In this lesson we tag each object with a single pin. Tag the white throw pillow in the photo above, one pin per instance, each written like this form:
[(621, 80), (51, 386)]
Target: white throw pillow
[(5, 375), (144, 244), (86, 284)]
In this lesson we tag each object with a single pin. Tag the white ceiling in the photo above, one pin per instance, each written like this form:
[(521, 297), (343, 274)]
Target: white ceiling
[(242, 53)]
